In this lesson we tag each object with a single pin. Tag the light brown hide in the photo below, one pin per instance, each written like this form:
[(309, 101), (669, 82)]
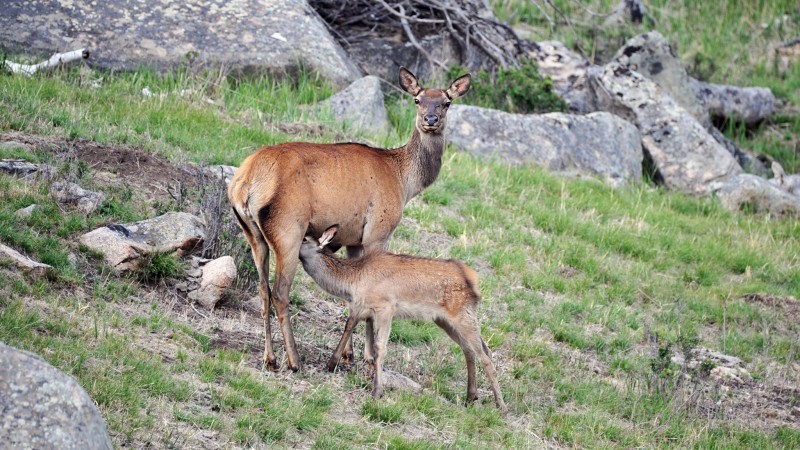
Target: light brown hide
[(282, 192)]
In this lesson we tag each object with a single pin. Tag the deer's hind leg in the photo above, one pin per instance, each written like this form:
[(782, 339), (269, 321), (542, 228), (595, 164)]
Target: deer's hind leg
[(470, 331), (454, 331), (260, 251)]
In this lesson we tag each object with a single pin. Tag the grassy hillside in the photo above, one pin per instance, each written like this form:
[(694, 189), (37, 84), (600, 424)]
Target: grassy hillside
[(587, 290)]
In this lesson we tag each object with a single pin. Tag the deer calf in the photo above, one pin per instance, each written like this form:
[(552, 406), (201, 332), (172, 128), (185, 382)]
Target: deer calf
[(382, 285)]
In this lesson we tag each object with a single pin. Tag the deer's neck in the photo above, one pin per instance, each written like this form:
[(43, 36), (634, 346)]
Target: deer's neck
[(422, 162), (333, 275)]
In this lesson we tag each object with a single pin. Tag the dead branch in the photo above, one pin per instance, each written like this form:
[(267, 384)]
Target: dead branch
[(469, 23), (55, 60)]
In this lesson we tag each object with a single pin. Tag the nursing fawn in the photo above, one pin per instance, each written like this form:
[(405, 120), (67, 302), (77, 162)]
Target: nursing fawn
[(381, 285)]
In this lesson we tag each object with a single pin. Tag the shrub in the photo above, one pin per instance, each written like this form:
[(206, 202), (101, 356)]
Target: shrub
[(521, 90)]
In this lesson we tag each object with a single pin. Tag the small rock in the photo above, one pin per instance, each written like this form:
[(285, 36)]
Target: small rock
[(735, 374), (27, 212), (18, 167), (360, 105), (197, 261), (222, 172), (395, 380), (22, 261), (71, 193), (218, 275), (194, 273), (745, 190), (14, 146)]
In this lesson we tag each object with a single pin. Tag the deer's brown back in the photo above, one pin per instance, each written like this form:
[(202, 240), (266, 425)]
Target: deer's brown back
[(325, 184), (447, 285)]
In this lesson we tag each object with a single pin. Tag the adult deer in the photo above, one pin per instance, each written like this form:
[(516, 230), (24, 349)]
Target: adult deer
[(382, 285), (282, 192)]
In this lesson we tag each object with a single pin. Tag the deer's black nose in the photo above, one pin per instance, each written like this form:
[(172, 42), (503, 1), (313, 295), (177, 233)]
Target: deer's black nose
[(431, 119)]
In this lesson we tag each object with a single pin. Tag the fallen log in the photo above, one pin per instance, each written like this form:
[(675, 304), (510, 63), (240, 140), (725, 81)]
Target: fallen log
[(54, 61)]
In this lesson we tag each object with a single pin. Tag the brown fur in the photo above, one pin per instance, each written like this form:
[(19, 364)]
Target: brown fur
[(383, 285), (284, 191)]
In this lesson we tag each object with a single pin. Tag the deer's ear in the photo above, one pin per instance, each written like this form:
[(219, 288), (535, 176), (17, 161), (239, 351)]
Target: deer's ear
[(459, 87), (408, 81), (327, 236)]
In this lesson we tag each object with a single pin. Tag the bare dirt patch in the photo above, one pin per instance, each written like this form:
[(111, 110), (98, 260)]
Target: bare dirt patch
[(144, 172), (788, 306)]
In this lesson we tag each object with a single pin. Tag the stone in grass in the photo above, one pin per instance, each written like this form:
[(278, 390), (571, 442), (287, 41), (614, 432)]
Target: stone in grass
[(123, 245), (44, 408), (22, 261), (70, 193), (218, 275), (27, 212)]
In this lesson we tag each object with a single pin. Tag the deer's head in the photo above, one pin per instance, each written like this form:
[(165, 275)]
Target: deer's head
[(310, 245), (432, 104)]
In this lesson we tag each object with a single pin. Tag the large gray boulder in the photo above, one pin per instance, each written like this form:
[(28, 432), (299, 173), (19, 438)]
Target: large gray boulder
[(651, 55), (746, 191), (43, 408), (239, 34), (360, 106), (749, 105), (123, 246), (597, 144), (686, 156)]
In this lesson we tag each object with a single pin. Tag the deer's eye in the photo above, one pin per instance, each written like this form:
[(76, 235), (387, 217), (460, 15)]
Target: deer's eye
[(416, 100), (447, 104)]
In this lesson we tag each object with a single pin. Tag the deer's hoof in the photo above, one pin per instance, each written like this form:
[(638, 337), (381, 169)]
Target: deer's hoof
[(332, 365), (271, 364), (377, 392)]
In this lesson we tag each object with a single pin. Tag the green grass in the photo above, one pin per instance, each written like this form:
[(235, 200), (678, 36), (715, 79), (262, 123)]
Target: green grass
[(575, 277)]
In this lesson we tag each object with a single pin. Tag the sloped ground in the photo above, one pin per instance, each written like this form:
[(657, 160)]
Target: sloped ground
[(212, 392)]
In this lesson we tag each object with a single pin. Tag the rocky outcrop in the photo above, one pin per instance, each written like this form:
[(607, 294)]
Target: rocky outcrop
[(360, 106), (71, 194), (239, 34), (685, 156), (597, 144), (723, 368), (651, 55), (123, 246), (23, 262), (44, 408)]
